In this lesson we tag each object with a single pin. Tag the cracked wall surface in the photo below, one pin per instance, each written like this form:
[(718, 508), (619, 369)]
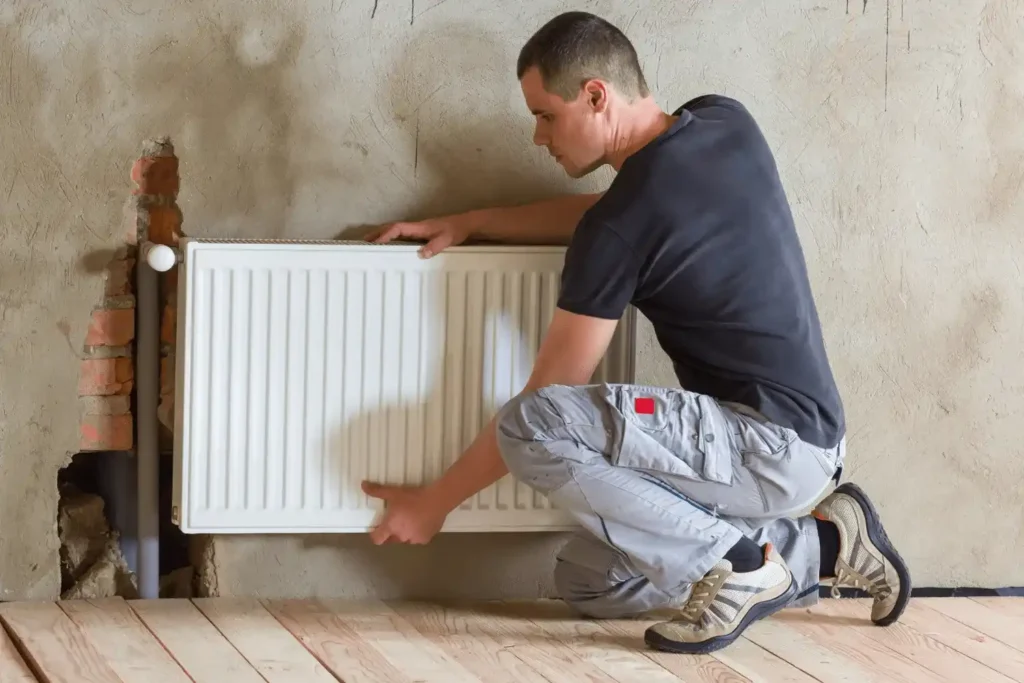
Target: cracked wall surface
[(896, 127)]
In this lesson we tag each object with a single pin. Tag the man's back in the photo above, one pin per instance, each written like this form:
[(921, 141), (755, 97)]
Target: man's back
[(696, 232)]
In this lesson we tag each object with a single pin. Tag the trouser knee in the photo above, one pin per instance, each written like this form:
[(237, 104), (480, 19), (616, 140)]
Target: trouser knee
[(524, 429), (597, 581), (589, 593)]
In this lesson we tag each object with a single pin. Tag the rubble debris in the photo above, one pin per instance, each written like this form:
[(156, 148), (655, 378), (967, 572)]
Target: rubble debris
[(108, 577), (92, 564), (83, 531)]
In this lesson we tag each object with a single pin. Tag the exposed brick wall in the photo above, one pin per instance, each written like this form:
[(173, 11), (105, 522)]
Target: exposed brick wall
[(106, 373), (159, 220)]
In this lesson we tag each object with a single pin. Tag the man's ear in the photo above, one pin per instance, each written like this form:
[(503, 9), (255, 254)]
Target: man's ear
[(596, 92)]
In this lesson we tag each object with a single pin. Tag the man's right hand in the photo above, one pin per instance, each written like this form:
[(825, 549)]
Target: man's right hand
[(412, 514), (551, 221), (440, 233)]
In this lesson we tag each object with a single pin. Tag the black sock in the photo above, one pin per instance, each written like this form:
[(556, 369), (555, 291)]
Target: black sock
[(828, 540), (746, 556)]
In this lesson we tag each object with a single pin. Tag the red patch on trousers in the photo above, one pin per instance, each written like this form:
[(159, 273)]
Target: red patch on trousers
[(644, 406)]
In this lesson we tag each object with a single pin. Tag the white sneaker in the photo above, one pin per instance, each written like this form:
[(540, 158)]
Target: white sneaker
[(723, 604), (867, 558)]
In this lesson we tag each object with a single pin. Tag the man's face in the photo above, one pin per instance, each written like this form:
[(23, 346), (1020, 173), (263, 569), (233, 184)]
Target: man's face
[(572, 131)]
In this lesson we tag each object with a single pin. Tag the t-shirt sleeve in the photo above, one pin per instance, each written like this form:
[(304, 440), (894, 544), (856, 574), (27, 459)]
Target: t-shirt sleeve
[(600, 273)]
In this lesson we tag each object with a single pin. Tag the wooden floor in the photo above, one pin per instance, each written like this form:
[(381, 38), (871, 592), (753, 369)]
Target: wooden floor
[(304, 641)]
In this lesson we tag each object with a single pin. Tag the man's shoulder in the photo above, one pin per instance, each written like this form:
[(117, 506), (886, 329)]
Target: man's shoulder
[(713, 101), (625, 202)]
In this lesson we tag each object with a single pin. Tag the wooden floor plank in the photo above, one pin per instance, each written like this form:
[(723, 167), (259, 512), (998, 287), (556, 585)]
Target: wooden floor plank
[(359, 648), (809, 656), (846, 637), (13, 668), (399, 641), (1005, 628), (759, 665), (128, 647), (194, 642), (57, 649), (267, 645), (982, 648), (689, 668), (925, 651), (480, 653), (1010, 606), (554, 661), (622, 655)]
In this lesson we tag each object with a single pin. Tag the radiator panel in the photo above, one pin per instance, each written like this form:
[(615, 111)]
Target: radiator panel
[(304, 368)]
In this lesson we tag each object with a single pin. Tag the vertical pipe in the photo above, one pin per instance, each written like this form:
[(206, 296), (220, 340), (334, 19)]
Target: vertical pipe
[(147, 391)]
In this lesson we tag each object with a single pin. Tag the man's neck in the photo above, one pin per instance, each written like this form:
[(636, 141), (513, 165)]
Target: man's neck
[(640, 123)]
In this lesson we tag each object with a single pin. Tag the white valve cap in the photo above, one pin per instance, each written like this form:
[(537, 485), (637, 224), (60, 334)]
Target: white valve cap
[(161, 258)]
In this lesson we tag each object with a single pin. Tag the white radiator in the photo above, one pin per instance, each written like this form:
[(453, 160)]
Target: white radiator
[(305, 367)]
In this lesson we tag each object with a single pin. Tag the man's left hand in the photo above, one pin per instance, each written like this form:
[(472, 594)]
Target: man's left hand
[(411, 514)]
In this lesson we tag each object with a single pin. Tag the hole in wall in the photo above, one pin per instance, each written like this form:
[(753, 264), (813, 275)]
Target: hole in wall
[(177, 576), (97, 527), (93, 560)]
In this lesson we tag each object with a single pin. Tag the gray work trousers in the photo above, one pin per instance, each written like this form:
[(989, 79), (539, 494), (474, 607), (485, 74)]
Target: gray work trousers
[(663, 482)]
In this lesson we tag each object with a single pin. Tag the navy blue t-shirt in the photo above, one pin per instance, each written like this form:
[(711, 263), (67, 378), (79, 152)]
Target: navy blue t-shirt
[(696, 232)]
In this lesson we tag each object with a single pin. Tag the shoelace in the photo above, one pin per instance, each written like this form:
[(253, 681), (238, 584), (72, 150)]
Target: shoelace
[(698, 601), (855, 580)]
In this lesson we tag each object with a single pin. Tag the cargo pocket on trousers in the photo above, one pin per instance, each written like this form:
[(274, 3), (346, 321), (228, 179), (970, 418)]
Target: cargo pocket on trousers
[(672, 432), (760, 438)]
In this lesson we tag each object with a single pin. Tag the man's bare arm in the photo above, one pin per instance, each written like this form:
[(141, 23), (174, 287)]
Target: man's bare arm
[(551, 221), (571, 351)]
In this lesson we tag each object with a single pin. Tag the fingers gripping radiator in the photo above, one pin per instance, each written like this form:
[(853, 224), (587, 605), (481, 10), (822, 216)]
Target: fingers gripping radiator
[(304, 368)]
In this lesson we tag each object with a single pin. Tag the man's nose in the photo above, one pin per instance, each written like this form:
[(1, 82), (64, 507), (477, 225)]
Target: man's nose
[(538, 138)]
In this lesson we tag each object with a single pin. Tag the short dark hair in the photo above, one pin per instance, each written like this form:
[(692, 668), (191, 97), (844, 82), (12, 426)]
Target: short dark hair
[(574, 47)]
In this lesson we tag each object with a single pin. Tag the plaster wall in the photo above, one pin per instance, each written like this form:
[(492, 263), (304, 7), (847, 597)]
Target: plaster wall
[(896, 126)]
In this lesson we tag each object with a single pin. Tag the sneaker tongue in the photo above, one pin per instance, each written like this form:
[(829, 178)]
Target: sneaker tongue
[(704, 589)]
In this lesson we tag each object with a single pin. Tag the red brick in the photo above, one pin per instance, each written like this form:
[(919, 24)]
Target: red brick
[(169, 325), (111, 327), (164, 225), (105, 377), (156, 175), (118, 277), (106, 433)]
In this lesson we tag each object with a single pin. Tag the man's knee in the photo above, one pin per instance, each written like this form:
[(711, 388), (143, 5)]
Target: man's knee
[(523, 429), (589, 593), (597, 582)]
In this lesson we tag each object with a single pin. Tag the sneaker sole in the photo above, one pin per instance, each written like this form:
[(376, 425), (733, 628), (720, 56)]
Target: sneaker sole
[(877, 535), (757, 612)]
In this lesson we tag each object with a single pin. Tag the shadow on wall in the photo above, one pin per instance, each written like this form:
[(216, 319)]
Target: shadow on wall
[(411, 425), (452, 105)]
